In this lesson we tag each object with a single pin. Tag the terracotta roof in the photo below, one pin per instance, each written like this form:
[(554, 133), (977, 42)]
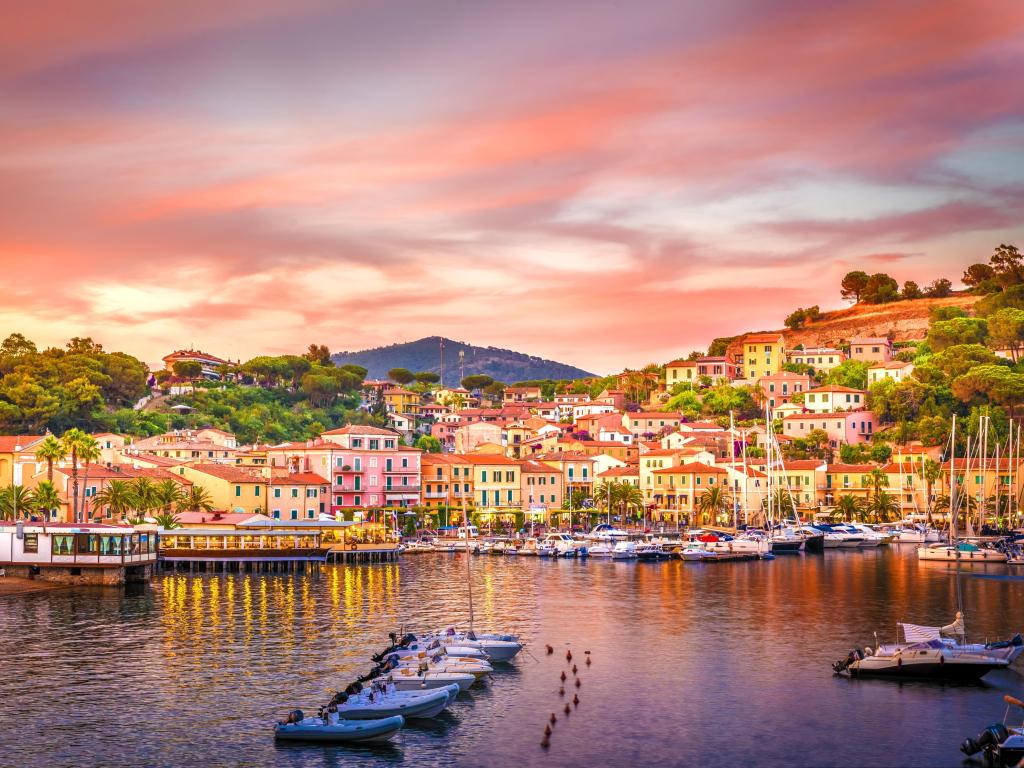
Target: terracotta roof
[(803, 464), (298, 478), (693, 468), (229, 473), (835, 388), (186, 519), (564, 456), (818, 416), (661, 452), (480, 458), (869, 340), (854, 468), (11, 443), (362, 429), (891, 364), (627, 471), (654, 415), (760, 338), (531, 466), (682, 364)]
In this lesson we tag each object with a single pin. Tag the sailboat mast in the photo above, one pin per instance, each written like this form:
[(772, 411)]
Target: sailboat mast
[(735, 501), (469, 557), (952, 483)]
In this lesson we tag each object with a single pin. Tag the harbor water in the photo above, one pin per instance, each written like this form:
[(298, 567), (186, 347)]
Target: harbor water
[(693, 664)]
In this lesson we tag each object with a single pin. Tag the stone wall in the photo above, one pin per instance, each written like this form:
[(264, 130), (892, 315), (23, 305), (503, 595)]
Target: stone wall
[(64, 575)]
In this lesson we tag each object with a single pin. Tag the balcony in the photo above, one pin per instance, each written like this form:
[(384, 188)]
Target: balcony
[(402, 488), (436, 495)]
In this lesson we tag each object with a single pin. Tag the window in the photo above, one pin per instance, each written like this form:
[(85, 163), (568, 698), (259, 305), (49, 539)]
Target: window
[(257, 488), (295, 514), (31, 542), (309, 513), (277, 491), (238, 490), (389, 443), (357, 442), (357, 500), (277, 513), (375, 445), (483, 475)]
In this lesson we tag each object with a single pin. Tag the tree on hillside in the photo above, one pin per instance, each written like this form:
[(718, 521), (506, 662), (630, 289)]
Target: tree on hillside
[(981, 278), (798, 318), (318, 353), (911, 290), (880, 288), (1006, 331), (189, 370), (849, 373), (401, 376), (718, 346), (17, 345), (939, 289), (959, 330), (853, 285), (477, 381), (959, 359), (427, 377), (1008, 265)]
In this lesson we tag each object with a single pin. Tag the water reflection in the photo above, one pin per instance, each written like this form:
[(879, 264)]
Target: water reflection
[(692, 663)]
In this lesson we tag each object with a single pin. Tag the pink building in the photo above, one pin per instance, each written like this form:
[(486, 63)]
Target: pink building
[(718, 369), (846, 427), (780, 387), (870, 348), (367, 466)]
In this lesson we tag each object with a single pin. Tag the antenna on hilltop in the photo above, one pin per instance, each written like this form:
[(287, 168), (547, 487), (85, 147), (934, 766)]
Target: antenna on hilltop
[(462, 365), (442, 362)]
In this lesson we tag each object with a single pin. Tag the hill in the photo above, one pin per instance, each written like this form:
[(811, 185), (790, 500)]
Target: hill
[(907, 320), (425, 355)]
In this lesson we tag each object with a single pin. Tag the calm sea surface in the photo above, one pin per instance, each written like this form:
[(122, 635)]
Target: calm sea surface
[(693, 664)]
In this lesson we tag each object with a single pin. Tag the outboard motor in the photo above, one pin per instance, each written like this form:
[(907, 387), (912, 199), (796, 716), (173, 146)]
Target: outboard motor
[(295, 716), (987, 740)]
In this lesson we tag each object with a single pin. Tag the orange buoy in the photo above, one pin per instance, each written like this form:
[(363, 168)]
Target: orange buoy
[(553, 719), (545, 742), (550, 650), (563, 677), (578, 683), (576, 700), (574, 669), (567, 709), (568, 655), (561, 691)]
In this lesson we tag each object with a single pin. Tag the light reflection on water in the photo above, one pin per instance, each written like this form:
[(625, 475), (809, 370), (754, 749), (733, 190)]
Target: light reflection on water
[(693, 664)]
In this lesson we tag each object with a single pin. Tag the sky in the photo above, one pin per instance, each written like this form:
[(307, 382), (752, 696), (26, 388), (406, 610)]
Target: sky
[(603, 183)]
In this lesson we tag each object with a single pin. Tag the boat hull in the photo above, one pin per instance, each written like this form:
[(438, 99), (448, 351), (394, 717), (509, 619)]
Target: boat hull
[(345, 732), (787, 546), (928, 670)]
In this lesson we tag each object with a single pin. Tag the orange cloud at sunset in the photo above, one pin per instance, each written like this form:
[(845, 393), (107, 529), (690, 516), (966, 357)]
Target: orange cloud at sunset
[(598, 186)]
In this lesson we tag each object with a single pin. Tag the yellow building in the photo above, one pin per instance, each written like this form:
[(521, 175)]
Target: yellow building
[(496, 482), (447, 481), (680, 372), (802, 479), (763, 355), (651, 462), (18, 458), (230, 488), (677, 490), (846, 479), (402, 401)]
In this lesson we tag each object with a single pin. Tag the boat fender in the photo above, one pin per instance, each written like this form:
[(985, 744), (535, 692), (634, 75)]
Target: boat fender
[(942, 659), (899, 661)]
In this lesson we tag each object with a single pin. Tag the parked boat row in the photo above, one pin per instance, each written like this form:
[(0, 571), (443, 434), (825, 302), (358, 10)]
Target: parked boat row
[(416, 678)]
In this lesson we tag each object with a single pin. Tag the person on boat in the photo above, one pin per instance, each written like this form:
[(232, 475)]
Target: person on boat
[(332, 715)]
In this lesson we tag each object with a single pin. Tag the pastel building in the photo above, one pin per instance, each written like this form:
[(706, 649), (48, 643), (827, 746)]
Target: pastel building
[(873, 349), (818, 358), (849, 427), (779, 388), (897, 370), (763, 354), (833, 398)]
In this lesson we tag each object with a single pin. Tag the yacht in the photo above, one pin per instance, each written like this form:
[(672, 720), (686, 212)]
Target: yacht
[(788, 540), (927, 660), (872, 538), (837, 537), (649, 550), (748, 543), (602, 549), (624, 550), (606, 532), (561, 544), (914, 533), (964, 552)]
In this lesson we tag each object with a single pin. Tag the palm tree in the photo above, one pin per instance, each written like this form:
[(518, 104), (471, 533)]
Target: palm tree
[(198, 499), (782, 502), (15, 500), (607, 494), (50, 451), (849, 507), (144, 495), (167, 521), (930, 472), (877, 479), (884, 506), (628, 497), (88, 454), (117, 497), (966, 505), (169, 494), (712, 503), (45, 500), (72, 440)]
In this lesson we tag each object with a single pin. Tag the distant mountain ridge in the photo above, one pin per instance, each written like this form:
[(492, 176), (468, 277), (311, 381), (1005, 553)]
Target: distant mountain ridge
[(425, 355)]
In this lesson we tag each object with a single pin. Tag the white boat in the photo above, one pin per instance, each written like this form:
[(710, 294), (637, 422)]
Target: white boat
[(494, 647), (964, 552), (423, 678), (913, 533), (602, 549), (413, 547), (340, 731), (930, 660), (749, 543), (838, 537), (694, 550), (561, 544), (872, 538), (624, 550), (373, 703), (441, 663), (606, 532)]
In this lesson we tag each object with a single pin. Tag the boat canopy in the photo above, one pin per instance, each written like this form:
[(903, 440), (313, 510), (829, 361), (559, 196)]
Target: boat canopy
[(916, 633)]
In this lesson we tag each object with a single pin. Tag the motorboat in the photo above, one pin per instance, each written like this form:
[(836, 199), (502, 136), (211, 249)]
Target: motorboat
[(624, 550), (837, 537), (954, 636), (788, 540), (337, 730), (439, 662), (694, 550), (914, 533), (749, 543), (449, 645), (648, 550), (423, 678), (1001, 743), (814, 539), (606, 532), (872, 537), (964, 552), (561, 544), (494, 647), (530, 547), (928, 660), (602, 549), (417, 546), (382, 700)]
